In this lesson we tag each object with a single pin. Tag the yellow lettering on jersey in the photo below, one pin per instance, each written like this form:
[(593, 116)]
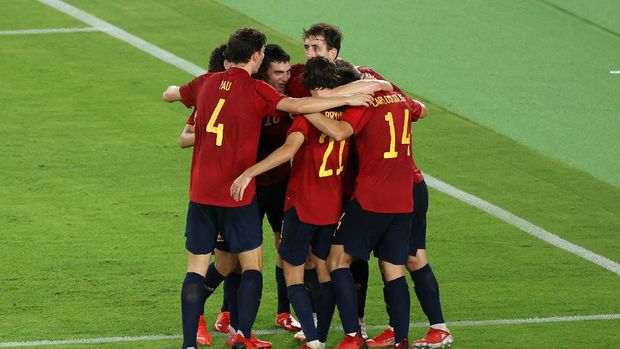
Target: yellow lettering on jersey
[(225, 85), (392, 153), (219, 128), (406, 138), (333, 114), (323, 171)]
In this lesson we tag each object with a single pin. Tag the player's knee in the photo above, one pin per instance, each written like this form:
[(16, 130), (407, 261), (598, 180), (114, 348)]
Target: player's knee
[(417, 262)]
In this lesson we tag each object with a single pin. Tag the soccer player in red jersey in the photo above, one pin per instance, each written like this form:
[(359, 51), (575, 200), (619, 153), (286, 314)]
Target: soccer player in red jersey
[(378, 217), (226, 142), (313, 202)]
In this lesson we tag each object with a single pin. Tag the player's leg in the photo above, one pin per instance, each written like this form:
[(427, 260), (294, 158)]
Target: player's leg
[(200, 235), (296, 236), (359, 269), (325, 301), (425, 283), (392, 250)]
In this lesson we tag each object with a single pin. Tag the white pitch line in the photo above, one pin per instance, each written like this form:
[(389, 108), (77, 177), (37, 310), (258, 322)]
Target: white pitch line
[(120, 34), (47, 31), (431, 181), (522, 224), (546, 320)]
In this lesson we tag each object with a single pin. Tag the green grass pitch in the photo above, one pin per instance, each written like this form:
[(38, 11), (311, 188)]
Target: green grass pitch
[(93, 187)]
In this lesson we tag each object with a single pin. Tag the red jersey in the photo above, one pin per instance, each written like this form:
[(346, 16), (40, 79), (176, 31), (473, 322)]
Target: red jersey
[(417, 174), (295, 86), (272, 136), (315, 188), (191, 120), (230, 106), (383, 141)]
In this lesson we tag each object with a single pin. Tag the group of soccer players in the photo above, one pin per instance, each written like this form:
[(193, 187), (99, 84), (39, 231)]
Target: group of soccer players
[(331, 166)]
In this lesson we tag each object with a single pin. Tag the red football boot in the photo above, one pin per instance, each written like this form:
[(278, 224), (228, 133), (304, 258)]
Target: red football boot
[(384, 339), (260, 344), (287, 322), (241, 342), (203, 336), (222, 322), (355, 342), (435, 338)]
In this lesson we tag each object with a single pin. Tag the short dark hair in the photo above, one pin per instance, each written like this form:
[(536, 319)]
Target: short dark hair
[(331, 33), (320, 72), (347, 72), (216, 60), (242, 44), (273, 53)]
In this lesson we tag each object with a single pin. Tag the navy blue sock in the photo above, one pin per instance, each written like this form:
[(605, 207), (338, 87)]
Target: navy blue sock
[(212, 280), (427, 290), (326, 304), (311, 280), (225, 306), (346, 299), (192, 302), (397, 293), (248, 300), (298, 295), (231, 298), (387, 303), (283, 304), (359, 269)]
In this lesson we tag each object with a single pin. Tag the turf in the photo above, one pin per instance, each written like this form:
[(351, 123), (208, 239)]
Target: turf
[(94, 187)]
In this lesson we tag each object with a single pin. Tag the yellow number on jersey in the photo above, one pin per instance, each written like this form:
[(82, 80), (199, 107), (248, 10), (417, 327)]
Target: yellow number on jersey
[(405, 139), (272, 120), (219, 128), (323, 171)]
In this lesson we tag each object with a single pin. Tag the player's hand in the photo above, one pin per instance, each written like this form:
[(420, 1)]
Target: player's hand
[(360, 100), (238, 187), (367, 76)]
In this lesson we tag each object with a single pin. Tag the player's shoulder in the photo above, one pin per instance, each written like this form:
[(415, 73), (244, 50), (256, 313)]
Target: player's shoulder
[(297, 69)]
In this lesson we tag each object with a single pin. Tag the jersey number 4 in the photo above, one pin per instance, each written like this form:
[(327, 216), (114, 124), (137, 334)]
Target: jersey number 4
[(323, 171), (405, 139), (219, 128)]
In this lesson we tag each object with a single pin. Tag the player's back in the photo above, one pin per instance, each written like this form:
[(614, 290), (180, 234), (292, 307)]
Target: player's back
[(230, 106), (383, 142)]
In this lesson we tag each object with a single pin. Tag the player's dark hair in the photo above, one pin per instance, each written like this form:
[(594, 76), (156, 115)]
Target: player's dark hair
[(273, 53), (216, 60), (347, 72), (242, 44), (320, 72), (331, 33)]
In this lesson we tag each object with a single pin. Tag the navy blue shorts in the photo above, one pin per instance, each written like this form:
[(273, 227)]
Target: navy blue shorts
[(237, 227), (386, 234), (418, 222), (271, 202), (297, 236)]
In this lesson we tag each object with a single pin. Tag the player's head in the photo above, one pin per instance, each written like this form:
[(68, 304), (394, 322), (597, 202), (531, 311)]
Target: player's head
[(320, 72), (322, 39), (347, 72), (217, 63), (246, 46), (276, 67)]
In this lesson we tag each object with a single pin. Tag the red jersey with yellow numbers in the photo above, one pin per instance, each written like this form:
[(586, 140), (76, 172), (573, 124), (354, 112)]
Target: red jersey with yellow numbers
[(383, 141), (272, 136), (229, 106), (295, 86), (315, 188), (417, 174)]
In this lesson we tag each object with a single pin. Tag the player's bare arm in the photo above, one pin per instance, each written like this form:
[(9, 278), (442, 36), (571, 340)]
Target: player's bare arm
[(187, 137), (424, 111), (171, 94), (359, 86), (316, 104), (285, 153), (338, 130)]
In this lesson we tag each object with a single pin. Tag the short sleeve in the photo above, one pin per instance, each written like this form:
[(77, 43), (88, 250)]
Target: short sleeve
[(415, 109), (300, 124), (267, 98), (356, 117), (189, 91)]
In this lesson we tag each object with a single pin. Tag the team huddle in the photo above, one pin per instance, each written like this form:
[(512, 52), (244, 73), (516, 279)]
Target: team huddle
[(323, 149)]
